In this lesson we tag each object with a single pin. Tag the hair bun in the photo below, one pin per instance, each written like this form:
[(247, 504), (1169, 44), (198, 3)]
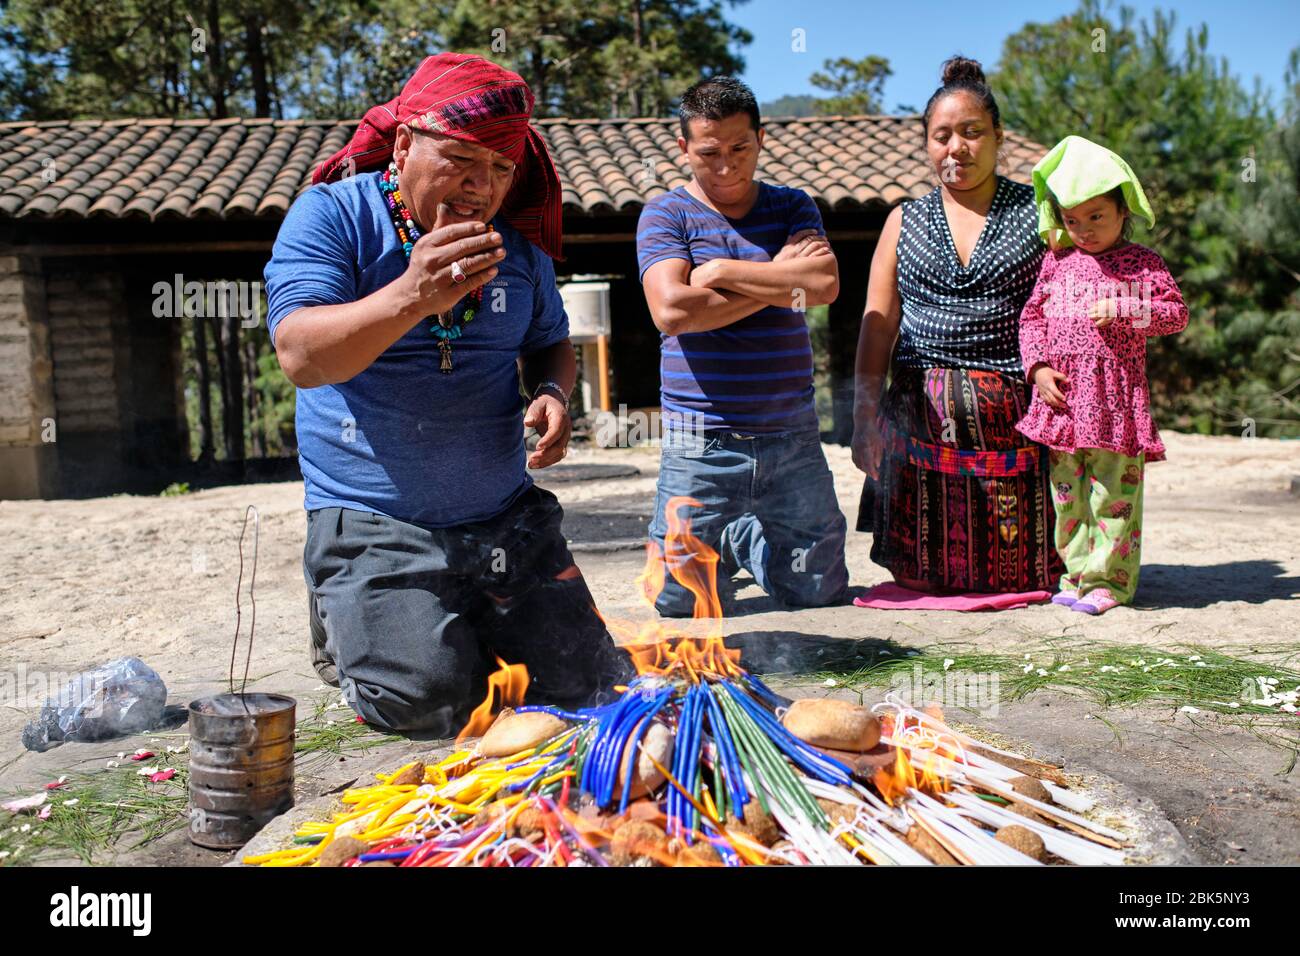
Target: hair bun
[(960, 69)]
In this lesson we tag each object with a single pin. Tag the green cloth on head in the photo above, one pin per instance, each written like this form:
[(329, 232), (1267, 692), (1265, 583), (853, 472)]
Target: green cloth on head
[(1077, 170)]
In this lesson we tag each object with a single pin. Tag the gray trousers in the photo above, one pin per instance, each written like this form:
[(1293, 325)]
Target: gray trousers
[(415, 617)]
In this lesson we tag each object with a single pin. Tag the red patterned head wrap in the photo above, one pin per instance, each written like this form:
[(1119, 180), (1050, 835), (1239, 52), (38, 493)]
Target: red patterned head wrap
[(471, 99)]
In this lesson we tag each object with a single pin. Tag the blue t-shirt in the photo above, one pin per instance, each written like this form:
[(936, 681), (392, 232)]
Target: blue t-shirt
[(402, 438), (755, 375)]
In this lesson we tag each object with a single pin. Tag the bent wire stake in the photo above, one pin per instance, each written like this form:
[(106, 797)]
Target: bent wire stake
[(252, 621)]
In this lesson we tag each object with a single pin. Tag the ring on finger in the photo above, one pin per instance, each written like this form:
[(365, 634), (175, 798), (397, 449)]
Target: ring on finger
[(458, 272)]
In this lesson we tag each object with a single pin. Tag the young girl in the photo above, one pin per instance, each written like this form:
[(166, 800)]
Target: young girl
[(1083, 339)]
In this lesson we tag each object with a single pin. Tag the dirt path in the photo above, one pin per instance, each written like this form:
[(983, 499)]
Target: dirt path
[(89, 580)]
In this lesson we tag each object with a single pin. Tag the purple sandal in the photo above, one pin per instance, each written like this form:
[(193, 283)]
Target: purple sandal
[(1096, 602)]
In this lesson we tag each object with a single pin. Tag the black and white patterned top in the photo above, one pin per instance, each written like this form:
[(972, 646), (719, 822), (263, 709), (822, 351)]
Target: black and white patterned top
[(956, 316)]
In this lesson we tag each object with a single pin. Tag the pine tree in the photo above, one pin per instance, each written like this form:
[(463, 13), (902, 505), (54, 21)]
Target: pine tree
[(856, 86), (1248, 243)]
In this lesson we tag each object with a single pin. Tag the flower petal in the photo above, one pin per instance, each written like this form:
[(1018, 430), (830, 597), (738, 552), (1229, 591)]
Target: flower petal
[(23, 804)]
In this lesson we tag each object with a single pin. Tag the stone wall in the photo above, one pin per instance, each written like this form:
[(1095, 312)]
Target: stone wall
[(65, 352), (92, 347), (86, 314), (28, 420)]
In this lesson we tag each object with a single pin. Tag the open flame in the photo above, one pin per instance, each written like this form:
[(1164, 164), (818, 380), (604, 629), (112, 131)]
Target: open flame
[(655, 647), (691, 562), (663, 648), (506, 688), (895, 783)]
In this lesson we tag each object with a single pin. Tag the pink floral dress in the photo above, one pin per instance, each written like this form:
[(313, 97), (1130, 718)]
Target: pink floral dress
[(1107, 394)]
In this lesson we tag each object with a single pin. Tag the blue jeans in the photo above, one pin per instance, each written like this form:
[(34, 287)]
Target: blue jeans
[(767, 505)]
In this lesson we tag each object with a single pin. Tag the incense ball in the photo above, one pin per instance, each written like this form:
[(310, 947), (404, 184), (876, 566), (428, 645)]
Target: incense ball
[(643, 810), (1023, 839), (638, 840), (488, 814), (835, 724), (923, 843), (758, 824), (412, 776), (529, 822), (699, 853), (838, 812), (342, 849), (646, 778), (786, 849), (1030, 787), (514, 732)]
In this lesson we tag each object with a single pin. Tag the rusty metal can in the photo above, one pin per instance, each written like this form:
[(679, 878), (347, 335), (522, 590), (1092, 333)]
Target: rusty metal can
[(241, 766)]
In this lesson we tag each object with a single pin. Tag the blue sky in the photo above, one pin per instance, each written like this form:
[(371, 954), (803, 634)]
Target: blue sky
[(917, 35)]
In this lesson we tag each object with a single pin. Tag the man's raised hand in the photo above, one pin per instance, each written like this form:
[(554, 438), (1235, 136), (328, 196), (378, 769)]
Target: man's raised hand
[(429, 273)]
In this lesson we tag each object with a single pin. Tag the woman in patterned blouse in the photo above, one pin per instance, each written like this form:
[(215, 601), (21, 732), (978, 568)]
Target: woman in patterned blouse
[(955, 497)]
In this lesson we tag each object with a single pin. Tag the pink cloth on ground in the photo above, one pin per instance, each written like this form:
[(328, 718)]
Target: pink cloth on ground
[(895, 597), (1107, 392)]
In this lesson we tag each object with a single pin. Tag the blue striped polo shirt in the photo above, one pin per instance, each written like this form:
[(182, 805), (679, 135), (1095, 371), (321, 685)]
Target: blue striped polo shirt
[(756, 375)]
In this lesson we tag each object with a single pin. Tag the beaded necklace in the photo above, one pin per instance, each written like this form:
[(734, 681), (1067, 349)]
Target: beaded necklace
[(445, 326)]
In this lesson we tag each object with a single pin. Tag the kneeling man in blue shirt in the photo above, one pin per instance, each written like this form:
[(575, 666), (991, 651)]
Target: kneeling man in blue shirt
[(408, 295), (729, 265)]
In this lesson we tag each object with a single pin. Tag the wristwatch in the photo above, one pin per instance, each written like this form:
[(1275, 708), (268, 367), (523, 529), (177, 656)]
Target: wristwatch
[(555, 388)]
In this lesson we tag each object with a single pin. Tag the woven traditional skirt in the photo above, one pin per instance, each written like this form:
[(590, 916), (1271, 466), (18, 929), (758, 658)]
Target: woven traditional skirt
[(964, 500)]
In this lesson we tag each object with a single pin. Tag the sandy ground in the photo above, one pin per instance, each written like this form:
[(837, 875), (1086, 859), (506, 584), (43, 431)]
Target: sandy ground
[(86, 581)]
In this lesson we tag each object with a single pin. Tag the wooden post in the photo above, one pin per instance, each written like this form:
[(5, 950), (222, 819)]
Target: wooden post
[(602, 370)]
